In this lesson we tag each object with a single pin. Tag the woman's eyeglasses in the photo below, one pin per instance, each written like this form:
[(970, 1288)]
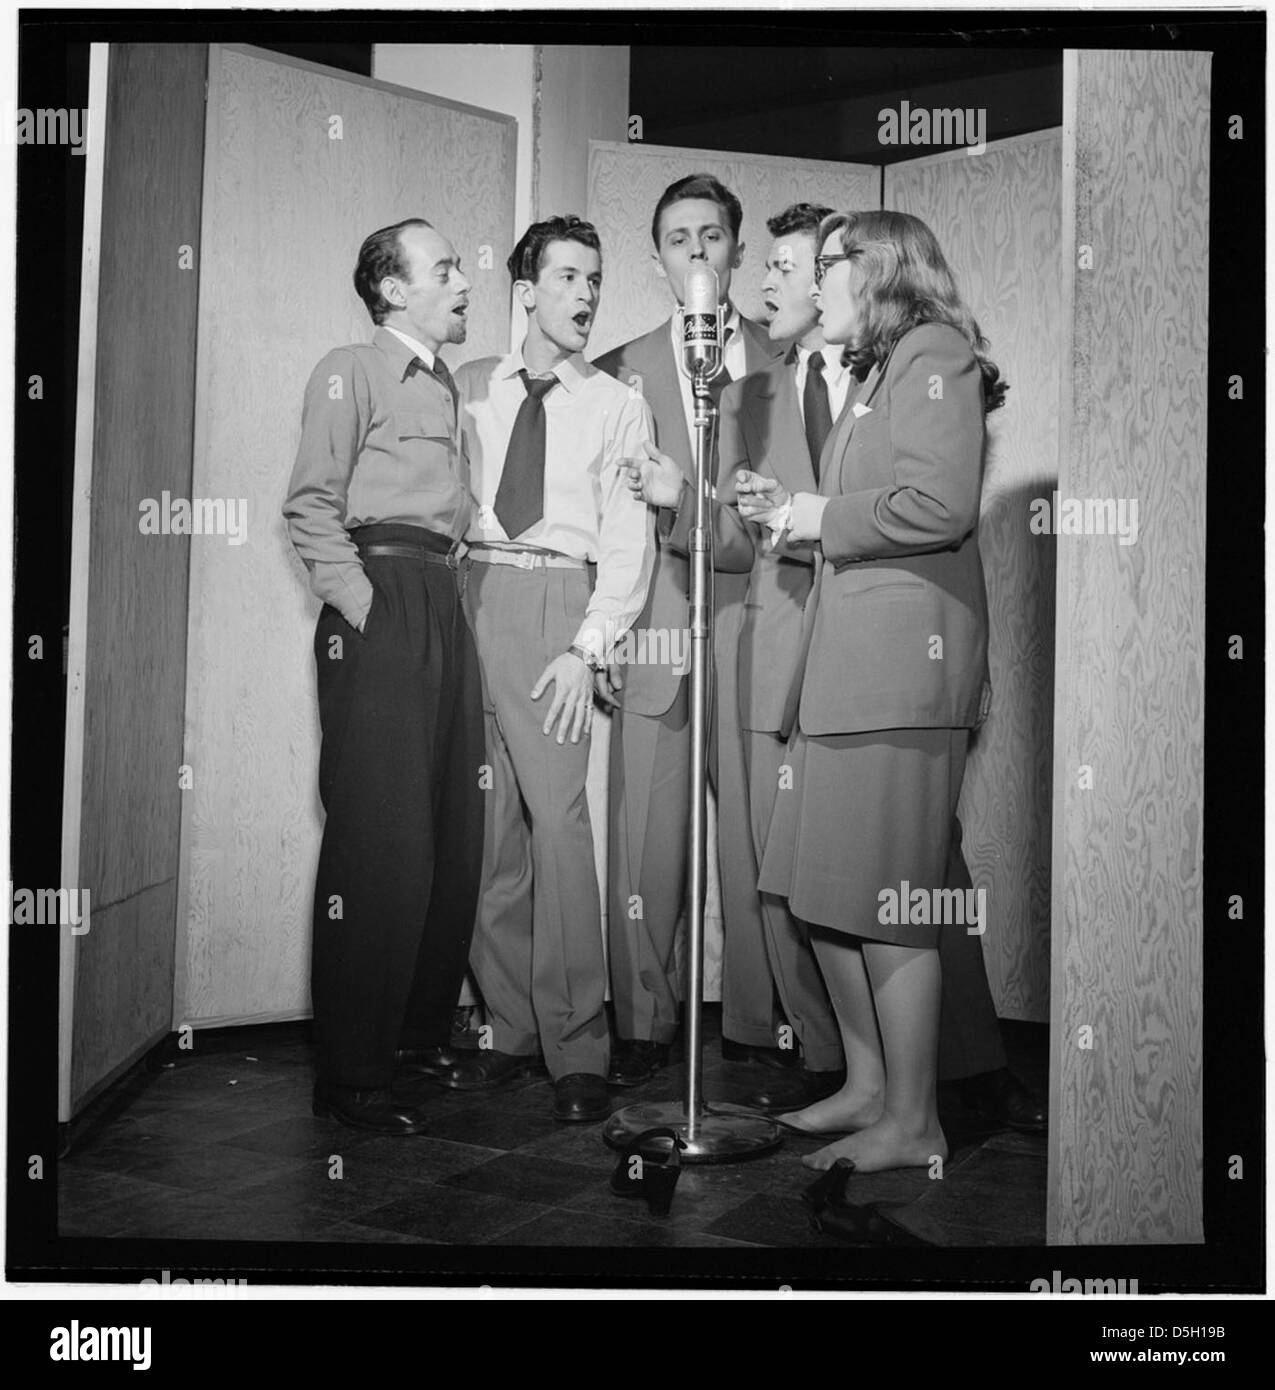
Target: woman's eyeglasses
[(823, 262)]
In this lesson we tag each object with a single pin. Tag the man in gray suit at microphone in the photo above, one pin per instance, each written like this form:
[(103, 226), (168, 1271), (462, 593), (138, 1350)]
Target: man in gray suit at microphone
[(696, 221)]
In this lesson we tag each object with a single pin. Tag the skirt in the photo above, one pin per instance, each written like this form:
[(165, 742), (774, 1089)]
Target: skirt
[(862, 829)]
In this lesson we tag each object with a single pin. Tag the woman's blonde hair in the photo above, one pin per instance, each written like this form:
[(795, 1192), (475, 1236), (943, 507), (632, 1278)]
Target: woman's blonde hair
[(907, 282)]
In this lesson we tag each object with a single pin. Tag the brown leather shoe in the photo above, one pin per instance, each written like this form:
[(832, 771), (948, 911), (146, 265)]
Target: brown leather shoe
[(487, 1068), (381, 1111)]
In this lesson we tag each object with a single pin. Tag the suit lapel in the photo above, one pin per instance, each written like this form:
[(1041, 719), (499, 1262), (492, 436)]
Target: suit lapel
[(835, 446), (652, 359)]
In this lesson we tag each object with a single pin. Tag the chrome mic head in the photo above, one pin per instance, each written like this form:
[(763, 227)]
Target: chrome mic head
[(701, 323)]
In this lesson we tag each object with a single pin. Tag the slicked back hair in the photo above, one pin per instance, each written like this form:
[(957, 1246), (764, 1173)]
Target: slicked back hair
[(380, 255), (703, 186), (528, 256)]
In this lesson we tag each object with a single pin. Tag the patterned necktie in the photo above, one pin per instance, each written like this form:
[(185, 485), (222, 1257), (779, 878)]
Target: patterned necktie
[(520, 498), (815, 406)]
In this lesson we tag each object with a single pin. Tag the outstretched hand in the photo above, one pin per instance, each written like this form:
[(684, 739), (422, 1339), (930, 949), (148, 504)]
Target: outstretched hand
[(655, 479)]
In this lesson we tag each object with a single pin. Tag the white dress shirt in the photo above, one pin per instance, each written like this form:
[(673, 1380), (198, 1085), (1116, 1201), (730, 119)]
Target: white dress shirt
[(416, 345), (835, 374), (735, 357), (592, 422)]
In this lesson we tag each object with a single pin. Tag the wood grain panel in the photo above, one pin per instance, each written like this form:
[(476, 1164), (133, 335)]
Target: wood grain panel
[(135, 621), (625, 183), (286, 208), (998, 217), (1125, 1148)]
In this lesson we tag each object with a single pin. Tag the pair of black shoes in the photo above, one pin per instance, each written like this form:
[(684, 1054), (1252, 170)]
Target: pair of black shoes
[(396, 1110), (577, 1098)]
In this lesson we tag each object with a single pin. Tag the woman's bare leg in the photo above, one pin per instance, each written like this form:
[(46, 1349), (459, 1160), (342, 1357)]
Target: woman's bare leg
[(859, 1102), (906, 989)]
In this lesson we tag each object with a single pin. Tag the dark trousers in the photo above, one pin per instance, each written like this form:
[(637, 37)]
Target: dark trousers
[(400, 706)]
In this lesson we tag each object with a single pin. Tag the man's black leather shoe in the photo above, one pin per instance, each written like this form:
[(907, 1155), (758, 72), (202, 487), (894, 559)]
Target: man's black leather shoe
[(434, 1062), (761, 1056), (636, 1060), (579, 1097), (796, 1088), (487, 1068), (1001, 1099), (381, 1111)]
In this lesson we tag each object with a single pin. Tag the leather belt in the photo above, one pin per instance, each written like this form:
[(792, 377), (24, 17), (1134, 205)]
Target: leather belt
[(525, 559), (403, 551)]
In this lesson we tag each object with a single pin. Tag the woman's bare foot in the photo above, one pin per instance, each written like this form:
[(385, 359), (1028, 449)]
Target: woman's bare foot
[(885, 1144), (849, 1109)]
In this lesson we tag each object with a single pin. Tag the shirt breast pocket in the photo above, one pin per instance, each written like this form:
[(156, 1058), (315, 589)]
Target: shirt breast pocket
[(426, 454), (424, 424)]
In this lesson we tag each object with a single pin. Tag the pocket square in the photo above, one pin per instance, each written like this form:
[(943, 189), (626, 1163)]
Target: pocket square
[(861, 410)]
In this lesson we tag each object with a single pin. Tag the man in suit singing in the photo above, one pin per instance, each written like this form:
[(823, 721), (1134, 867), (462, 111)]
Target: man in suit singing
[(696, 220)]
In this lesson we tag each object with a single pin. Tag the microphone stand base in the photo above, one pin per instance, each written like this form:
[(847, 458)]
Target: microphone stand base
[(722, 1133)]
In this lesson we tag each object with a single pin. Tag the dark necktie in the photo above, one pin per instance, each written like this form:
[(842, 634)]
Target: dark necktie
[(440, 373), (449, 381), (818, 412), (520, 498)]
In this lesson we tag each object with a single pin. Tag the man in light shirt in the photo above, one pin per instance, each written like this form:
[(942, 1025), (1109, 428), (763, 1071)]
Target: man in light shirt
[(696, 221), (376, 508), (559, 562)]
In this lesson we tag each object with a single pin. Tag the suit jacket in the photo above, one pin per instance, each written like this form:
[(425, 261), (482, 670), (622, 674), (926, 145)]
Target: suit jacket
[(762, 430), (897, 624), (648, 364)]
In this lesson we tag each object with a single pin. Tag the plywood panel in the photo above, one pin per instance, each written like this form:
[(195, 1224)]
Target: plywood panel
[(134, 624), (1125, 1148), (286, 207), (998, 217), (625, 183)]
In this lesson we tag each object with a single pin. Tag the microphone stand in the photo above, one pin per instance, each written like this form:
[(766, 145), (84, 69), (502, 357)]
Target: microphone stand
[(720, 1132)]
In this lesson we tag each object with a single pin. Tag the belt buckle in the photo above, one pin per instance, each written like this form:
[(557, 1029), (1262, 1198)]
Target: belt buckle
[(525, 560)]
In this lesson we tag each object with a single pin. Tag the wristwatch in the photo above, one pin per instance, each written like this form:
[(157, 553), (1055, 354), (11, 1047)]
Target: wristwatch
[(586, 656)]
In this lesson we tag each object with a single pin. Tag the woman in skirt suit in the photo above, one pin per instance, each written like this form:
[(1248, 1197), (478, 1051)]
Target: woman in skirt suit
[(894, 673)]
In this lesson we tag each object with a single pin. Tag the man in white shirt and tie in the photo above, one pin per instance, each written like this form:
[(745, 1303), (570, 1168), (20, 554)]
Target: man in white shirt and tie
[(558, 567)]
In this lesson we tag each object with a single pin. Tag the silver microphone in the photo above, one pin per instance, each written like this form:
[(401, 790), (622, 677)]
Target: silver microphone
[(701, 323)]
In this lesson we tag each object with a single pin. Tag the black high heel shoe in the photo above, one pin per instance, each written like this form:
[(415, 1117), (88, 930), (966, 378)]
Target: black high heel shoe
[(648, 1168), (829, 1189)]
